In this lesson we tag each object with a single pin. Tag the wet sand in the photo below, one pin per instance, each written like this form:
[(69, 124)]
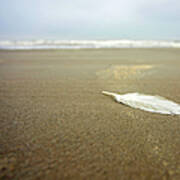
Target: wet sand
[(56, 124)]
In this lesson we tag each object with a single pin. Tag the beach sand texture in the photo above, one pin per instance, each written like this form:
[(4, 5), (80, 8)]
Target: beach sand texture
[(56, 124)]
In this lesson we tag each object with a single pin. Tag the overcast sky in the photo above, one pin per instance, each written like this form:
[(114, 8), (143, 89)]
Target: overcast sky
[(90, 19)]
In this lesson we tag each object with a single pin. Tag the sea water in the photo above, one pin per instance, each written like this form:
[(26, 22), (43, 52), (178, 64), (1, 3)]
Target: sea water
[(82, 44)]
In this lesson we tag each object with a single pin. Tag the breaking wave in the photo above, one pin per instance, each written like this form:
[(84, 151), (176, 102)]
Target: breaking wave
[(83, 44)]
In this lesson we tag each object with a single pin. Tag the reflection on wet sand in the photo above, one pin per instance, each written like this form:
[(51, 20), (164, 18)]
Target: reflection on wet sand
[(117, 72)]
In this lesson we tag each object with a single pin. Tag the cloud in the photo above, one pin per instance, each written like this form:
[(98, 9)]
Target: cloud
[(71, 16)]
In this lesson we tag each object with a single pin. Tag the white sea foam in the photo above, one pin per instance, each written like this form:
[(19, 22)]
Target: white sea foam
[(82, 44)]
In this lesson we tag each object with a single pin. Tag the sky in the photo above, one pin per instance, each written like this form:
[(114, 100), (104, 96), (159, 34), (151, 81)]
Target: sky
[(90, 19)]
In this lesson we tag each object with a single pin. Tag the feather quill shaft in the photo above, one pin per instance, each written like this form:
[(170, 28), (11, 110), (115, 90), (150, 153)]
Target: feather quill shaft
[(156, 104)]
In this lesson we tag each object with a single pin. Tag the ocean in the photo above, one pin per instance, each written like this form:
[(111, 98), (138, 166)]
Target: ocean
[(83, 44)]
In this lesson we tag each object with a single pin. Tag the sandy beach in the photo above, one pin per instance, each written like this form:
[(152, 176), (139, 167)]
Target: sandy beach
[(56, 124)]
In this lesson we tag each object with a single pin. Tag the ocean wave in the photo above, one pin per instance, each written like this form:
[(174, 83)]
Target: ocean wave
[(82, 44)]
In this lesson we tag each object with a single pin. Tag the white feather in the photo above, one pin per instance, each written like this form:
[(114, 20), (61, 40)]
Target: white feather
[(156, 104)]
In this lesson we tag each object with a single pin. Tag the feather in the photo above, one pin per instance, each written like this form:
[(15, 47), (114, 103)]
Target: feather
[(155, 104)]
